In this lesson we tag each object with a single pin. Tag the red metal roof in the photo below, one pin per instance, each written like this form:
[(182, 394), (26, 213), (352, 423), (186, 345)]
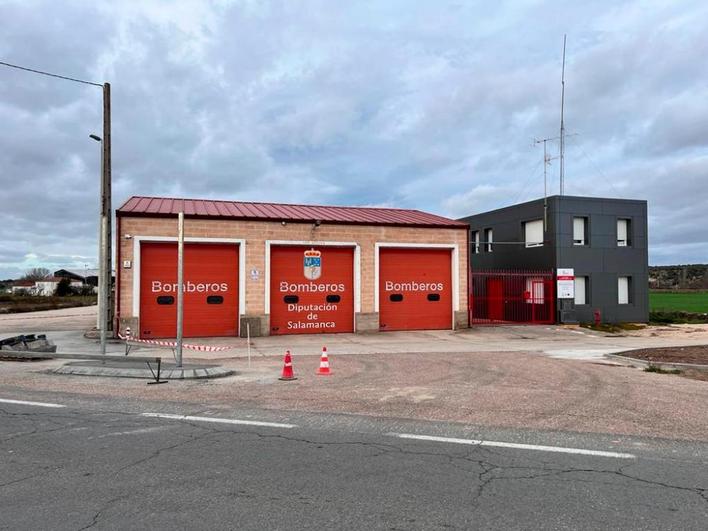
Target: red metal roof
[(209, 208)]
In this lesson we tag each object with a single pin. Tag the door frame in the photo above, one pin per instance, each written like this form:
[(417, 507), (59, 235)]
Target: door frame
[(295, 243), (239, 242), (454, 269)]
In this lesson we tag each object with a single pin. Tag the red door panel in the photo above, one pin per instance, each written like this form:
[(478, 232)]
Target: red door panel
[(301, 304), (495, 294), (415, 289), (210, 290)]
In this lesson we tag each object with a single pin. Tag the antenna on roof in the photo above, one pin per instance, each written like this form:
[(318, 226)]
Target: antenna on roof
[(562, 125), (546, 162)]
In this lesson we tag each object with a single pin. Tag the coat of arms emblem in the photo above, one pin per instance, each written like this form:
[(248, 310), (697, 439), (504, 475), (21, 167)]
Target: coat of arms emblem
[(312, 264)]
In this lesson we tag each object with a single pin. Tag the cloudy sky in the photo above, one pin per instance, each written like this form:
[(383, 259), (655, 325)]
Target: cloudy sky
[(424, 104)]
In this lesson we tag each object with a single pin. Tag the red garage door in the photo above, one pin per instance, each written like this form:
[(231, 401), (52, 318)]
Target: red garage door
[(415, 289), (210, 290), (311, 290)]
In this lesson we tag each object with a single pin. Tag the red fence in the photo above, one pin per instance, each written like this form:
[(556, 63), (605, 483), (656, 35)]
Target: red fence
[(512, 296)]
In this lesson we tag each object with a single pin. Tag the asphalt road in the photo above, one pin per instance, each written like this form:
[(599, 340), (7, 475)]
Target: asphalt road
[(105, 465)]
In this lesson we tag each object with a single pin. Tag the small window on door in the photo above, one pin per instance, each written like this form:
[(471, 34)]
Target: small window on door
[(291, 299), (215, 299), (165, 299), (333, 298), (433, 297), (395, 297)]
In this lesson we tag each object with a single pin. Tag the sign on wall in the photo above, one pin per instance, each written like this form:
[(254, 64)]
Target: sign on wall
[(565, 283)]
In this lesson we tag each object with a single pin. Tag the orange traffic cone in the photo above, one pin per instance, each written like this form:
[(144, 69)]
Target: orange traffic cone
[(287, 368), (324, 364)]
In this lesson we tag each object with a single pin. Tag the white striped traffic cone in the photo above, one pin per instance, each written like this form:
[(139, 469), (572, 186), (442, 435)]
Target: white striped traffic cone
[(324, 364)]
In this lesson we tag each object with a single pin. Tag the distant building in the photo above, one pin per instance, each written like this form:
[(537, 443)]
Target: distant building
[(23, 286), (47, 286), (86, 276), (604, 242)]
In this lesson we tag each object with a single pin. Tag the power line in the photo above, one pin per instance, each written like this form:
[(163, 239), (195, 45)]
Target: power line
[(51, 75), (598, 169)]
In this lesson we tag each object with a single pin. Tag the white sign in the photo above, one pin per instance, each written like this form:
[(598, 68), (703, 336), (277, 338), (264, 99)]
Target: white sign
[(255, 274), (565, 283)]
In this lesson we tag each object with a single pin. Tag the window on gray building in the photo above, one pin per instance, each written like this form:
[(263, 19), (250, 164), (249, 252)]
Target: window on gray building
[(488, 238), (475, 242), (624, 232), (533, 233), (624, 290), (582, 294), (580, 231)]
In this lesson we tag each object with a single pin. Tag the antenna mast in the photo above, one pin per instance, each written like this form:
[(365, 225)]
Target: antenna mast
[(546, 162), (562, 125)]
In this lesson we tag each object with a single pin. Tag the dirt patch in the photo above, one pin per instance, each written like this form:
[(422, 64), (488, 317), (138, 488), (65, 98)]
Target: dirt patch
[(25, 304), (697, 355)]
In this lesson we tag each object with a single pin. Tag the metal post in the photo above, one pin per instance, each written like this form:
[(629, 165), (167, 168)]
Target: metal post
[(248, 342), (107, 208), (180, 286)]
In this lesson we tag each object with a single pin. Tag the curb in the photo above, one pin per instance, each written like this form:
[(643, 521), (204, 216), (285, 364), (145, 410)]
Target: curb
[(643, 364), (128, 372)]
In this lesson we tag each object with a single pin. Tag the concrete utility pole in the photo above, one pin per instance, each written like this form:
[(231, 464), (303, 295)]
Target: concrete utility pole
[(105, 270), (180, 286), (107, 211)]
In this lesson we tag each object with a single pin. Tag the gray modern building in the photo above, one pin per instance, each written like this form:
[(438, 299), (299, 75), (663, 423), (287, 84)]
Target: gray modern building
[(604, 242)]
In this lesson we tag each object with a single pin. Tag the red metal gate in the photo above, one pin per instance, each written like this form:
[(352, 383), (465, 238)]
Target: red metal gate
[(512, 296)]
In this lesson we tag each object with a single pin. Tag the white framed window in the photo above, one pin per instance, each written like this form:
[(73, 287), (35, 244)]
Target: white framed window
[(581, 290), (624, 290), (624, 228), (489, 239), (475, 242), (533, 233), (580, 231)]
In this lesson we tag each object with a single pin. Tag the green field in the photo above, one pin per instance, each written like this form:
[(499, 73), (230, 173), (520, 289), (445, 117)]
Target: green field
[(679, 301)]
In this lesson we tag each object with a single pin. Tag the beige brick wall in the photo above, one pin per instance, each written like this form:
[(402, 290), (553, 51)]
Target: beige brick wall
[(257, 232)]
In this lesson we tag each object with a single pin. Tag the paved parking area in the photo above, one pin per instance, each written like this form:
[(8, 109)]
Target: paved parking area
[(504, 389), (535, 377)]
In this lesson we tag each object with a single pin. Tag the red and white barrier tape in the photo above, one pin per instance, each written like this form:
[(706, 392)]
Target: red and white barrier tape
[(173, 344)]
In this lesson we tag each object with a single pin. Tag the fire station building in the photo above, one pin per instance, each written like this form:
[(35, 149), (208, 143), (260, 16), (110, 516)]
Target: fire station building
[(288, 269)]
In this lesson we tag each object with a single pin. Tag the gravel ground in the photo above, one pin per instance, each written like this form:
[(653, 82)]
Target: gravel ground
[(513, 390)]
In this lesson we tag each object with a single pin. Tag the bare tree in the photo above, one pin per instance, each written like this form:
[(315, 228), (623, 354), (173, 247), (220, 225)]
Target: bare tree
[(36, 273)]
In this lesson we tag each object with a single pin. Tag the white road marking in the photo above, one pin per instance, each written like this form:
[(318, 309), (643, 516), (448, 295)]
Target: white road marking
[(26, 403), (219, 420), (133, 432), (536, 447)]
